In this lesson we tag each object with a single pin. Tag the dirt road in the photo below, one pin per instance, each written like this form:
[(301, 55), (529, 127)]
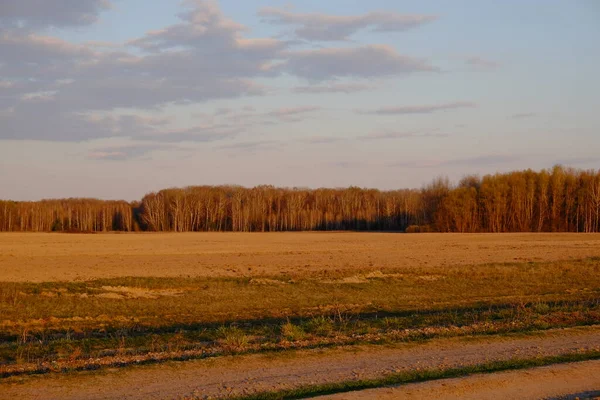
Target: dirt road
[(247, 374), (43, 257), (564, 381)]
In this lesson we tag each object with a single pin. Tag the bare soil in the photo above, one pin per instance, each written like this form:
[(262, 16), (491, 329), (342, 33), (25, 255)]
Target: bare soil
[(228, 376), (43, 257)]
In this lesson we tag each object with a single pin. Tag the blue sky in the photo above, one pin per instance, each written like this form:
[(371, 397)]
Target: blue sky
[(117, 98)]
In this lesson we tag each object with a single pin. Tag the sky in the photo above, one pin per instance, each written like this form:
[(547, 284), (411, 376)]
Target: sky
[(114, 99)]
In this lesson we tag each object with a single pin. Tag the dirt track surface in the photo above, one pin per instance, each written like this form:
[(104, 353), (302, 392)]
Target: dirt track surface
[(564, 381), (62, 257), (247, 374)]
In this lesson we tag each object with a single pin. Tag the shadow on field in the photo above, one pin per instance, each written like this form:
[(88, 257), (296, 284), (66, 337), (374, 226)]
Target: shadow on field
[(591, 395), (458, 316)]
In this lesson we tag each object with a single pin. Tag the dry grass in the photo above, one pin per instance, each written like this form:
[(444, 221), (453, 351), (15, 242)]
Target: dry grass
[(291, 291), (31, 257), (52, 353), (71, 322), (134, 302)]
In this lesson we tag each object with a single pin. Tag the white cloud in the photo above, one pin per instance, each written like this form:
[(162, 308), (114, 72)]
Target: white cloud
[(401, 135), (252, 146), (202, 58), (324, 27), (57, 90), (335, 88), (45, 13), (201, 134), (324, 140), (122, 153), (523, 115), (482, 63), (363, 62), (286, 112), (421, 109), (29, 55), (480, 161), (38, 96)]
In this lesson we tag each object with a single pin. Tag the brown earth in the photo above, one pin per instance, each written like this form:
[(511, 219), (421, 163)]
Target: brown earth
[(228, 376), (564, 381), (56, 257)]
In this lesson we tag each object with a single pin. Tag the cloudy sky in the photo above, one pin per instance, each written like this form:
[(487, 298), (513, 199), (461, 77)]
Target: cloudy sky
[(117, 98)]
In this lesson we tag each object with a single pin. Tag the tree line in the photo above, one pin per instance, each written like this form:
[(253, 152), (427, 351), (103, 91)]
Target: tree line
[(557, 200)]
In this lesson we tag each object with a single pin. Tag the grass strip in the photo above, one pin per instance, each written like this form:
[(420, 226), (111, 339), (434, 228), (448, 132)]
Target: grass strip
[(415, 376), (166, 302), (234, 348)]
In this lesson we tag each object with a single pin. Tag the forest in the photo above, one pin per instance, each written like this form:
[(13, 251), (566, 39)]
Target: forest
[(557, 200)]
